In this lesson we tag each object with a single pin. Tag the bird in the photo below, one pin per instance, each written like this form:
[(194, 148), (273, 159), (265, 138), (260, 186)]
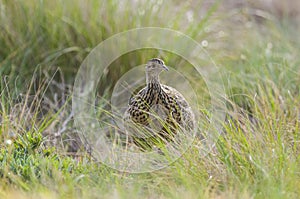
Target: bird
[(157, 110)]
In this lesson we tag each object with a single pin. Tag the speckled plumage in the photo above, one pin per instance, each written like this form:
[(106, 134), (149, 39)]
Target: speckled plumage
[(175, 111)]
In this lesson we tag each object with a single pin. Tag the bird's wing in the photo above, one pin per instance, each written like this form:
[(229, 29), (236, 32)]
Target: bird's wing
[(186, 110), (137, 108), (176, 95), (134, 99)]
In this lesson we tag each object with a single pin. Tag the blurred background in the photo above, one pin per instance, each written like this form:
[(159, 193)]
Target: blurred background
[(46, 35)]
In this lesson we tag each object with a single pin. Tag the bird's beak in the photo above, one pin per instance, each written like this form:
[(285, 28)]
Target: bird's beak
[(165, 68)]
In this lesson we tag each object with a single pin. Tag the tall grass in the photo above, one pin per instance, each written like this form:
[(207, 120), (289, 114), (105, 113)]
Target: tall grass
[(42, 44)]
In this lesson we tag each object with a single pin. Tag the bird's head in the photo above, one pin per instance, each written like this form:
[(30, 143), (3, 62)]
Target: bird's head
[(155, 66)]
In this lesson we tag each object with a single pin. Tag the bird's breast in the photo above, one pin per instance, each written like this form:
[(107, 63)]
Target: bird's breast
[(152, 94)]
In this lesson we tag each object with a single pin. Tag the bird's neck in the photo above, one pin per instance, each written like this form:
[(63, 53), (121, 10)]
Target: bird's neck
[(152, 79)]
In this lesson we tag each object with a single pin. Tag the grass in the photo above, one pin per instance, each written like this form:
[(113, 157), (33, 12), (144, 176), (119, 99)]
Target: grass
[(42, 44)]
